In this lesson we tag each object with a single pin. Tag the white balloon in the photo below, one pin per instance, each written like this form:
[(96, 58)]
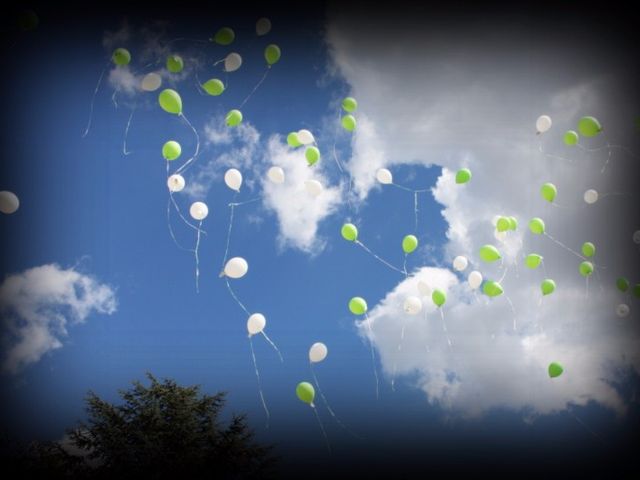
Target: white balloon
[(622, 310), (494, 220), (424, 289), (151, 82), (263, 26), (543, 123), (276, 175), (199, 210), (384, 176), (412, 305), (501, 236), (460, 263), (475, 279), (317, 352), (9, 202), (314, 187), (175, 183), (305, 137), (636, 236), (233, 179), (236, 267), (256, 323), (232, 62), (591, 196)]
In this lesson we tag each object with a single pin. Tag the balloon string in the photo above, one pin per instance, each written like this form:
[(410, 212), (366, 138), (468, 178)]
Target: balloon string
[(273, 345), (563, 246), (255, 366), (335, 140), (113, 98), (586, 288), (604, 167), (406, 189), (608, 145), (244, 203), (544, 269), (616, 194), (358, 242), (444, 328), (192, 159), (256, 87), (549, 155), (126, 133), (189, 224), (583, 424), (373, 355), (235, 297), (175, 240), (324, 434), (201, 90), (504, 274), (415, 210), (404, 266), (513, 310), (226, 251), (197, 257), (93, 99), (395, 363)]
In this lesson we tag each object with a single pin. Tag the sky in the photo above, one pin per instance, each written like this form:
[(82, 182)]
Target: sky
[(96, 292)]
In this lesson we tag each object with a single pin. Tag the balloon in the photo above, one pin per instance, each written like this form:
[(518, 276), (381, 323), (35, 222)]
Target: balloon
[(536, 225), (306, 392), (586, 269), (272, 54), (175, 183), (503, 224), (9, 202), (314, 187), (412, 305), (409, 243), (312, 154), (492, 289), (349, 104), (570, 138), (548, 192), (555, 370), (236, 267), (588, 249), (533, 260), (349, 232), (233, 179), (475, 279), (170, 101), (463, 175), (256, 323), (199, 210), (424, 288), (233, 118), (489, 253), (213, 87), (460, 263), (622, 310), (175, 64), (263, 26), (547, 286), (349, 123), (305, 137), (358, 306), (171, 150), (151, 82), (224, 36), (232, 62), (317, 352), (543, 123), (276, 175), (636, 290), (636, 237), (589, 127), (513, 223), (438, 297), (384, 176), (121, 57), (292, 140), (622, 284), (28, 20), (591, 196)]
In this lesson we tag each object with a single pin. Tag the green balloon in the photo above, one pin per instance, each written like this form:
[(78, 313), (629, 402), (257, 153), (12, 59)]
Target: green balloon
[(636, 290), (224, 36), (170, 101), (536, 225), (588, 249), (292, 140), (28, 20), (586, 269), (349, 123), (513, 223), (463, 175), (121, 57), (409, 243), (272, 54), (213, 87), (503, 224), (548, 286), (358, 306), (570, 138), (349, 104), (492, 289), (533, 260), (438, 297), (306, 392), (589, 127), (349, 232), (312, 154), (489, 253), (233, 118), (622, 284), (548, 192), (175, 64), (555, 370), (171, 150)]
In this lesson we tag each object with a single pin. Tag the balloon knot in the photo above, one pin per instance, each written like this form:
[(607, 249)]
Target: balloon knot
[(221, 274)]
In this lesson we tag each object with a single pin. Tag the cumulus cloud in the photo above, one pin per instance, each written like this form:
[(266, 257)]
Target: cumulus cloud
[(39, 304)]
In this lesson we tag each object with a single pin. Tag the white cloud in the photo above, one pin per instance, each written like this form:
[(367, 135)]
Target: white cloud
[(39, 304), (124, 81)]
